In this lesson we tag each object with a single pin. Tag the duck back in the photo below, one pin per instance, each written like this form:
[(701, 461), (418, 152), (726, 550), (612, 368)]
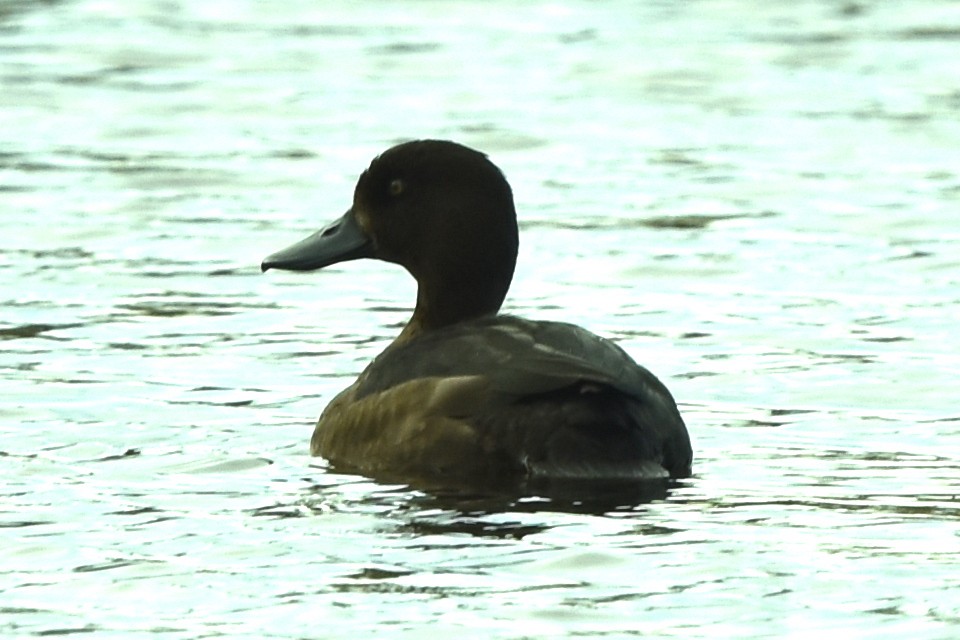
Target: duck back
[(547, 399)]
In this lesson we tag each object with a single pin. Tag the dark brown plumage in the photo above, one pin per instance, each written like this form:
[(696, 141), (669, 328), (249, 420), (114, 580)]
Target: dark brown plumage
[(464, 393)]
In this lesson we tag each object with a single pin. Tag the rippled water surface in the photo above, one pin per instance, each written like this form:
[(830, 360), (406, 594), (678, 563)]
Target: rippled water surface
[(760, 201)]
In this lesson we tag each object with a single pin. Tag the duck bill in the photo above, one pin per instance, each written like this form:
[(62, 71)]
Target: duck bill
[(339, 241)]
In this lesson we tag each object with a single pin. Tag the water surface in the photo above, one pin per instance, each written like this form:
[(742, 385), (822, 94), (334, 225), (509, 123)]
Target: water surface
[(759, 202)]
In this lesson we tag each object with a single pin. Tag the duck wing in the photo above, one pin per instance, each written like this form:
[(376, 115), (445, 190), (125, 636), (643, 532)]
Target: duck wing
[(517, 357)]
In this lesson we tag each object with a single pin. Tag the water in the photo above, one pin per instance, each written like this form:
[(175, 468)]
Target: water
[(758, 200)]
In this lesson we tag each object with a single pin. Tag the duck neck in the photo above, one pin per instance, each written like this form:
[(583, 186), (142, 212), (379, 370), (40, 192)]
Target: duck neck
[(447, 304)]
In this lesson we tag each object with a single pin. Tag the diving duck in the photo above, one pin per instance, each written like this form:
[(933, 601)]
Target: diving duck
[(465, 392)]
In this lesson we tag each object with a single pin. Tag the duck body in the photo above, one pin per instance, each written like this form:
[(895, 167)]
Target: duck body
[(502, 396), (466, 393)]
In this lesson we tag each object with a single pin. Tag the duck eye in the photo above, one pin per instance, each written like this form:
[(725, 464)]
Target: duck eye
[(397, 186)]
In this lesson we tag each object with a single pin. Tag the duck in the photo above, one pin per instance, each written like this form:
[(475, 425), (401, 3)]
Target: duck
[(464, 392)]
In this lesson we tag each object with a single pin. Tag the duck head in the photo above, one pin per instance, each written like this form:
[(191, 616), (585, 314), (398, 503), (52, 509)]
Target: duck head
[(441, 210)]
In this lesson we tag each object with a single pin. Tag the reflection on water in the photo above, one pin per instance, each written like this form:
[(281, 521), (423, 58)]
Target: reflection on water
[(758, 200)]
